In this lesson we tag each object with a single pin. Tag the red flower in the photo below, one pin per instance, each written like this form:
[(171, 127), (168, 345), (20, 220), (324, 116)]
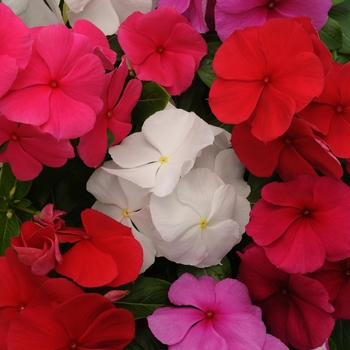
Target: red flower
[(105, 252), (28, 148), (330, 112), (87, 321), (298, 151), (168, 56), (50, 217), (303, 222), (295, 307), (37, 247), (263, 82), (335, 276)]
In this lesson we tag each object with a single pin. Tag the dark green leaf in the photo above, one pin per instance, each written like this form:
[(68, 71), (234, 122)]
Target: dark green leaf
[(256, 184), (341, 334), (153, 99), (145, 295), (205, 71), (115, 46), (331, 34), (145, 340), (342, 59), (331, 344), (9, 227), (219, 272), (336, 2)]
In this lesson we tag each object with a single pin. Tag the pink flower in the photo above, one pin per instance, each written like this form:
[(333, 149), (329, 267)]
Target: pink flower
[(115, 116), (298, 151), (169, 56), (231, 15), (60, 88), (209, 315), (27, 148), (303, 222), (296, 308), (15, 47), (50, 217), (37, 247)]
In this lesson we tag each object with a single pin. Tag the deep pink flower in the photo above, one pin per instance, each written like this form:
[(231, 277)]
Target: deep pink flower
[(169, 56), (86, 321), (335, 276), (59, 89), (298, 151), (50, 217), (262, 82), (231, 15), (28, 148), (296, 308), (193, 10), (329, 113), (37, 247), (303, 222), (115, 116), (105, 252), (212, 315), (15, 47)]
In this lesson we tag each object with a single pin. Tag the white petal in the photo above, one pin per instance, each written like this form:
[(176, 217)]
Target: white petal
[(112, 211), (136, 197), (241, 213), (166, 180), (125, 8), (222, 137), (18, 7), (207, 158), (76, 5), (142, 220)]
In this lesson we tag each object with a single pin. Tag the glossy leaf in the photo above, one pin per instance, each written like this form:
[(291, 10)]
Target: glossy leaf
[(341, 334), (9, 227), (331, 34)]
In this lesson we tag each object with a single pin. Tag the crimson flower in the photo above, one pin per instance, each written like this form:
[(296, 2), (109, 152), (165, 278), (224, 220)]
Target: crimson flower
[(60, 87), (170, 55), (303, 222), (329, 113), (28, 147), (50, 217), (86, 321), (105, 252), (115, 116), (263, 82), (298, 151), (295, 307), (335, 276)]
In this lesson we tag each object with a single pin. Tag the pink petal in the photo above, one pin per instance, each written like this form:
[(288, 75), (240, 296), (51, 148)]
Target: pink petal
[(8, 73)]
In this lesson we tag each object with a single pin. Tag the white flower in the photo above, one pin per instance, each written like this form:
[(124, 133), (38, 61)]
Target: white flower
[(106, 14), (197, 223), (165, 150), (127, 203)]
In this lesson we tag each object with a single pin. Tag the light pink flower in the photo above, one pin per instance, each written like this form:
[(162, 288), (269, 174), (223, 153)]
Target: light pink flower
[(231, 15), (212, 315), (60, 88)]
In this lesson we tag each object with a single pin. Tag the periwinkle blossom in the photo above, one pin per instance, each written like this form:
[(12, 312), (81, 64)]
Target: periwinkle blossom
[(164, 150), (211, 315)]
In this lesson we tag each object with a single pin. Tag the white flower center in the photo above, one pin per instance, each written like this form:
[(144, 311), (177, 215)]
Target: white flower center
[(163, 160), (126, 213), (203, 223)]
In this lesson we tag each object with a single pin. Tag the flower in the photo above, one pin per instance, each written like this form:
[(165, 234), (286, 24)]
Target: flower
[(50, 217), (298, 151), (37, 247), (313, 222), (15, 48), (106, 15), (165, 150), (200, 221), (329, 113), (291, 304), (115, 116), (264, 83), (231, 15), (72, 324), (63, 79), (27, 148), (105, 252), (209, 315), (169, 56)]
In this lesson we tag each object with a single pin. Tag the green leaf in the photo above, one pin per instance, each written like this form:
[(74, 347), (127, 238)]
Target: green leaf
[(331, 34), (336, 2), (153, 99), (145, 295), (145, 340), (331, 344), (256, 184), (341, 334), (205, 71), (115, 46), (218, 272), (341, 13), (9, 227)]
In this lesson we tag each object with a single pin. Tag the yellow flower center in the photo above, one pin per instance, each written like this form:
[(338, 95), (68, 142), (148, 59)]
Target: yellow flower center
[(203, 223), (126, 213), (163, 160)]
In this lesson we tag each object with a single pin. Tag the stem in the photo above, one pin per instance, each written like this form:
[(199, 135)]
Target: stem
[(30, 211)]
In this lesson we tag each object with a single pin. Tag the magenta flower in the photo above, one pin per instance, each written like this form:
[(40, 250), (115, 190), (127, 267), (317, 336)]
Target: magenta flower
[(27, 148), (115, 116), (212, 315), (60, 88), (169, 56), (231, 15)]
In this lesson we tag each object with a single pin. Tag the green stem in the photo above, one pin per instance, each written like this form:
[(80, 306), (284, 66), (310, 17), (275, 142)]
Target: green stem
[(30, 211)]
